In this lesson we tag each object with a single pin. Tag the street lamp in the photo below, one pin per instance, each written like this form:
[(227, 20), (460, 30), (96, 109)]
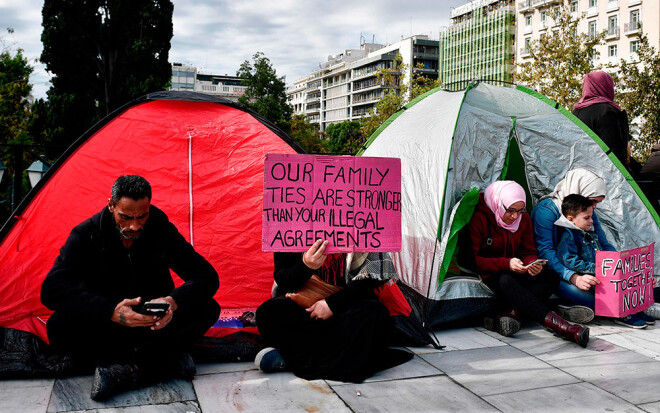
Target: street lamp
[(36, 171), (3, 168)]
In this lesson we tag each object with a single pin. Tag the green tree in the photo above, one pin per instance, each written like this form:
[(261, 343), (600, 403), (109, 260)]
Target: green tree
[(266, 92), (560, 59), (397, 94), (639, 82), (307, 135), (345, 138), (15, 89), (102, 54)]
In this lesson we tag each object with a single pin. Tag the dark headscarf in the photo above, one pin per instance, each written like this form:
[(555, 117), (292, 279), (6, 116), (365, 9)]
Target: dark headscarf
[(598, 87)]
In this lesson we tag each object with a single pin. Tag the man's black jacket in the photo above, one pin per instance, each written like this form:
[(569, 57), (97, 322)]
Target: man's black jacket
[(94, 271)]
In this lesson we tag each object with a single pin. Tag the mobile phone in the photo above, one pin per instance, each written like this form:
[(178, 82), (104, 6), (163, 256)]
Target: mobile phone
[(154, 308), (539, 261)]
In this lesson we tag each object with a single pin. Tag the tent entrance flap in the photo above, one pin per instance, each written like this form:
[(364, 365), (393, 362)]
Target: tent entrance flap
[(460, 217)]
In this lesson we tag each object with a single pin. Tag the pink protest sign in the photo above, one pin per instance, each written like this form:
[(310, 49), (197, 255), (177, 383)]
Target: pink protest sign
[(352, 202), (626, 281)]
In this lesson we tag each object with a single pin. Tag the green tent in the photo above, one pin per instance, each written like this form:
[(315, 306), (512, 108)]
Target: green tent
[(454, 144)]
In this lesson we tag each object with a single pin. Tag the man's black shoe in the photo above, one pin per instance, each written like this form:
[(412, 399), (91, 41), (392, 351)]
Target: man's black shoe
[(184, 367), (114, 379)]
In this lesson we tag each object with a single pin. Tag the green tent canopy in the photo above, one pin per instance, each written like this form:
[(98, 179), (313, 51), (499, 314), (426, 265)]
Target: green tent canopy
[(454, 144)]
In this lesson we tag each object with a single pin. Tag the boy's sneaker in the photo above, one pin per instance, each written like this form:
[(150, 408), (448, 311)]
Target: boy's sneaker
[(575, 313), (653, 311), (645, 318), (269, 360), (631, 321)]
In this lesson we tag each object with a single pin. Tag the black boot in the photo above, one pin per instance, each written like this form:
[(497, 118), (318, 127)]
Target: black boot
[(573, 332), (506, 323), (116, 378)]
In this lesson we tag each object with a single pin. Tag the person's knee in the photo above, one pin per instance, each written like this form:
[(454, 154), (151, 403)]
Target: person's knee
[(506, 281)]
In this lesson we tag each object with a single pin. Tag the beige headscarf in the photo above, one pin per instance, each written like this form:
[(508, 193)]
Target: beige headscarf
[(578, 181)]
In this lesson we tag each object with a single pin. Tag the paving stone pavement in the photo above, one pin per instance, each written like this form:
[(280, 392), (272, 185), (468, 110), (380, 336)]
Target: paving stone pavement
[(477, 371)]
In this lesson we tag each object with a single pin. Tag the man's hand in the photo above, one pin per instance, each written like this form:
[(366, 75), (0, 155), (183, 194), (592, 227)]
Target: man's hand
[(517, 266), (584, 282), (125, 315), (314, 256), (320, 311), (167, 317)]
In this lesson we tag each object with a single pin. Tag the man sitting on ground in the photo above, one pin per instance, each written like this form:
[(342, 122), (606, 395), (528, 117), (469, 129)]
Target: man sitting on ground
[(109, 267)]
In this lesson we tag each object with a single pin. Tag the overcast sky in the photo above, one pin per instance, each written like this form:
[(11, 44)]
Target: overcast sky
[(217, 35)]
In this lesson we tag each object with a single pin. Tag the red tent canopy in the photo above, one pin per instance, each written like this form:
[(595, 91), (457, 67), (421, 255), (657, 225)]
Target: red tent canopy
[(204, 159)]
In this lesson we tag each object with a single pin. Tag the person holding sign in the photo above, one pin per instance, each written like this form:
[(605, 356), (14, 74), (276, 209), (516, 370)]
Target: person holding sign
[(573, 285), (342, 337), (502, 246), (577, 251)]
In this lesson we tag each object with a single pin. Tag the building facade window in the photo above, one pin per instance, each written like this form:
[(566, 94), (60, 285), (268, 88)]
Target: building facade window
[(634, 19), (528, 20), (593, 4), (634, 46), (613, 25), (574, 6), (612, 51), (544, 19), (593, 28)]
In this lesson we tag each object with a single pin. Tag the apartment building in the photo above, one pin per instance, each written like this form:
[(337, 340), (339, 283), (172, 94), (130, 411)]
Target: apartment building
[(346, 87), (623, 21), (187, 78), (479, 44)]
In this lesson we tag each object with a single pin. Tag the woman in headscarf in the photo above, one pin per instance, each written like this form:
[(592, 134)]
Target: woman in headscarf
[(574, 287), (502, 245), (598, 111), (343, 337)]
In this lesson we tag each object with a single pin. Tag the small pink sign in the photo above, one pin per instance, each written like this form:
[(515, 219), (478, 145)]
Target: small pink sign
[(352, 202), (626, 281)]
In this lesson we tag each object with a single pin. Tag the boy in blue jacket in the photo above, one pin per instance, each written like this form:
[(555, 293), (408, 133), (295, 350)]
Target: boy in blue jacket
[(579, 243)]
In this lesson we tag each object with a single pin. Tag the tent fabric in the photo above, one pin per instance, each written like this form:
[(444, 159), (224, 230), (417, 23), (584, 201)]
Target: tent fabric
[(452, 142), (204, 159)]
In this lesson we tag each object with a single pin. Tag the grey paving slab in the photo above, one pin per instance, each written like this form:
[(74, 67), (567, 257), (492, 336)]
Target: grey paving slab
[(179, 407), (495, 370), (628, 375), (578, 397), (645, 342), (254, 391), (426, 394), (417, 367), (72, 394), (29, 396), (213, 368), (650, 407), (546, 346), (461, 339)]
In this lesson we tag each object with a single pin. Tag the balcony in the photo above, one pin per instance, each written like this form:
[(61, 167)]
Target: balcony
[(634, 2), (525, 5), (612, 33), (612, 5), (544, 3), (632, 28)]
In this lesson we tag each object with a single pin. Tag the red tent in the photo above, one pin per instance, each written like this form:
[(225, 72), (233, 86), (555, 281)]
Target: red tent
[(204, 159)]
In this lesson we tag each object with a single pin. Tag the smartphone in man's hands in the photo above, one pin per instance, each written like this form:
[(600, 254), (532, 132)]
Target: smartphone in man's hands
[(156, 308), (538, 261)]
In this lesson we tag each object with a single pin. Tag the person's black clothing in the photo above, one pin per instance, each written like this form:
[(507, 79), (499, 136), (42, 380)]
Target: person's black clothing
[(526, 294), (651, 168), (611, 126), (94, 272), (350, 346)]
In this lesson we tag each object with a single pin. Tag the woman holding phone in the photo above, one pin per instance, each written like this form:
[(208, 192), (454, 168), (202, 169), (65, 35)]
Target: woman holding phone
[(503, 253)]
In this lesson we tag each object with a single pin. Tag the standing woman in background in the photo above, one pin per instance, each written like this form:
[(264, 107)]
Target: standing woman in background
[(598, 111)]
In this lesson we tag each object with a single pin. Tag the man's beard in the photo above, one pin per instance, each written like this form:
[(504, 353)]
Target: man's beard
[(129, 235)]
